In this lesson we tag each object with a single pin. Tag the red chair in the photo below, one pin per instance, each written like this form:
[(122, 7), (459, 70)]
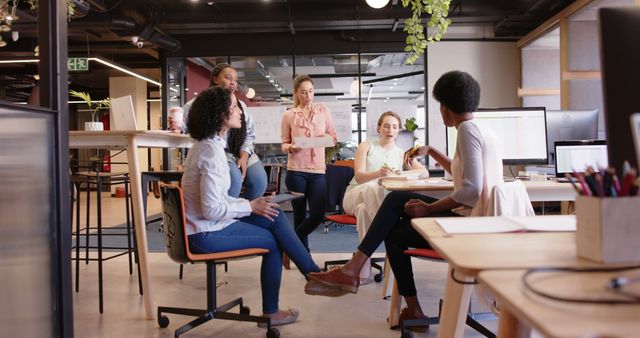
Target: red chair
[(430, 255)]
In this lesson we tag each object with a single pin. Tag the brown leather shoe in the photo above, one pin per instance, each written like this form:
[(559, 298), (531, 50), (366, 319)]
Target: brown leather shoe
[(316, 288), (337, 278), (286, 262), (404, 315)]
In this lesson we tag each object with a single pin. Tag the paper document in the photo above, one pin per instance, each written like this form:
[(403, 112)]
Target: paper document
[(486, 225), (313, 142), (405, 175)]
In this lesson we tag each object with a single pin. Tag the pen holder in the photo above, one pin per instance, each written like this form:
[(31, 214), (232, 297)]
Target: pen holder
[(608, 229)]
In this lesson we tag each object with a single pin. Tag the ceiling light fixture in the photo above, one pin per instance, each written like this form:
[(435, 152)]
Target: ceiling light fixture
[(251, 93), (377, 3), (355, 87)]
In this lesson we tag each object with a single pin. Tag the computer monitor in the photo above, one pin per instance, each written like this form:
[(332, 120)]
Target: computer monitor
[(124, 117), (579, 155), (522, 133), (567, 125), (620, 52)]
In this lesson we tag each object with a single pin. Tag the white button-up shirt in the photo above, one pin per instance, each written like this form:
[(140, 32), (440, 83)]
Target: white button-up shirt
[(205, 183)]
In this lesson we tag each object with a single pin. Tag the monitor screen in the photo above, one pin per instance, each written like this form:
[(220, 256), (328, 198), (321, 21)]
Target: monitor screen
[(567, 125), (579, 155), (521, 132), (620, 52)]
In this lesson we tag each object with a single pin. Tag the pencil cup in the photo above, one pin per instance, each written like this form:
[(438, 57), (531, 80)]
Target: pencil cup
[(608, 229)]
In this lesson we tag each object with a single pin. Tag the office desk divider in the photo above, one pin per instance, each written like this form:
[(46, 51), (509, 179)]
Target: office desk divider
[(607, 229)]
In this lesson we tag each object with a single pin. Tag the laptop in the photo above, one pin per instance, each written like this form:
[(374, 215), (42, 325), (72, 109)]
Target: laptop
[(124, 117), (577, 156)]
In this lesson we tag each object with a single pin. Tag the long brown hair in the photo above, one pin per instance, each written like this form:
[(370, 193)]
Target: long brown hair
[(296, 84), (389, 113)]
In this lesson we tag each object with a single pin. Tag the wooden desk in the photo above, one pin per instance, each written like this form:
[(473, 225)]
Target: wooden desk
[(133, 140), (520, 309), (469, 254), (539, 191)]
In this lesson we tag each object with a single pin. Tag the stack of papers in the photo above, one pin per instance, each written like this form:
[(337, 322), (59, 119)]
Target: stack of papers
[(488, 225), (403, 176)]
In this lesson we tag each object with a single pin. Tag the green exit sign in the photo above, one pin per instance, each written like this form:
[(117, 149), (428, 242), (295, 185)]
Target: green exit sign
[(78, 64)]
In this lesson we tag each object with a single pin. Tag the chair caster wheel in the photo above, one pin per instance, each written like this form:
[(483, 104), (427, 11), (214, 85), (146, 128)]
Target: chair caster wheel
[(273, 333), (245, 310), (325, 231), (163, 321), (377, 278)]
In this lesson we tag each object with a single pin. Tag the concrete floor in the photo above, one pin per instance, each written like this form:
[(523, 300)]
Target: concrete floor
[(361, 315)]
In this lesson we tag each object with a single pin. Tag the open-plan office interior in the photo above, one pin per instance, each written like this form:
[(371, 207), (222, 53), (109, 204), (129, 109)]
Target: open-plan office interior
[(552, 64)]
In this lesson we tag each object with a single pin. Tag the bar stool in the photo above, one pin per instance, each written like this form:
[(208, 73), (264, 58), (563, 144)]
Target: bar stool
[(91, 177)]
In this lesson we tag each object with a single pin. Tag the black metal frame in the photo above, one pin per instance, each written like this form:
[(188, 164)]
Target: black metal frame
[(212, 311)]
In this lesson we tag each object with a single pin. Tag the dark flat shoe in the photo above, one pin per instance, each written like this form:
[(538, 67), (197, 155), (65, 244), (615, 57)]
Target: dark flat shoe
[(404, 315), (337, 278), (316, 288)]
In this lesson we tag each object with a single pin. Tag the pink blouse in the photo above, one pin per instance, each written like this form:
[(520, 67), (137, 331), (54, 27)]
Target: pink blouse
[(294, 124)]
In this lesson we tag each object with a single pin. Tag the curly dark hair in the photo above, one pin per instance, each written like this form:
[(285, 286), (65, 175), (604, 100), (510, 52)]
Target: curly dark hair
[(458, 91), (208, 113)]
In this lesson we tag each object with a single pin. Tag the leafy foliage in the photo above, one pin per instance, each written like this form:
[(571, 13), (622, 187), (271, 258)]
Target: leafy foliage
[(94, 107), (416, 33), (71, 7), (410, 124)]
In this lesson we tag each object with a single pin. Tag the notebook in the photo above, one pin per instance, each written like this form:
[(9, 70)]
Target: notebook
[(577, 156), (124, 117), (465, 225)]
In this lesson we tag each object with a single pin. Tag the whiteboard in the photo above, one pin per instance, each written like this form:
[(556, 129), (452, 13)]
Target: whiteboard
[(341, 115), (267, 122)]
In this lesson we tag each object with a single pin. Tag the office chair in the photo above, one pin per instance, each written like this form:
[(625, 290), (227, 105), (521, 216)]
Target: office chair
[(506, 199), (178, 249), (338, 177)]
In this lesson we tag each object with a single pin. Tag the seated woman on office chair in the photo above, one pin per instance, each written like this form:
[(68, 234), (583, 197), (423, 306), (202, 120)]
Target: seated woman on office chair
[(375, 159), (218, 222), (476, 168)]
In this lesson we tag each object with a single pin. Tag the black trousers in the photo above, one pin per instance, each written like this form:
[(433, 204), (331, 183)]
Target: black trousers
[(392, 226)]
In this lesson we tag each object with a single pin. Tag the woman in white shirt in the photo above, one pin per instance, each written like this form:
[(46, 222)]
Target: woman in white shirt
[(476, 168), (375, 159), (218, 222)]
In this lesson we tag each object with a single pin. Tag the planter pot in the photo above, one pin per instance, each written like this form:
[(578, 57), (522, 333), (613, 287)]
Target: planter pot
[(99, 126)]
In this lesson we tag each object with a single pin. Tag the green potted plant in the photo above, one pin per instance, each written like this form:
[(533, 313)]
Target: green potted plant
[(94, 108), (410, 126)]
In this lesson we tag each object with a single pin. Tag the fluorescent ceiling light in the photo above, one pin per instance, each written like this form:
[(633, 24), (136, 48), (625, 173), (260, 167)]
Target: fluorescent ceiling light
[(20, 61)]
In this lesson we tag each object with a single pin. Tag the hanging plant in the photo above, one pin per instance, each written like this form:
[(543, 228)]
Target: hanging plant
[(71, 7), (416, 32)]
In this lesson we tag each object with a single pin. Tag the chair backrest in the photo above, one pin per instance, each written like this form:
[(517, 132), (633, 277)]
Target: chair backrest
[(345, 163), (509, 199), (173, 223), (337, 180)]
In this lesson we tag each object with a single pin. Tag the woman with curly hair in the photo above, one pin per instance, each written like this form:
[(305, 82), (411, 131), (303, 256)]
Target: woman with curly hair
[(219, 222), (245, 166)]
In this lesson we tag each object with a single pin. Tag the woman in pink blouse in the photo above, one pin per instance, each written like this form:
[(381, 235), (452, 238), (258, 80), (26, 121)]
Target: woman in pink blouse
[(306, 166)]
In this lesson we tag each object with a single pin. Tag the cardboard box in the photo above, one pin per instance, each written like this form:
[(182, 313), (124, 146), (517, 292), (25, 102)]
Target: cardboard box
[(608, 229)]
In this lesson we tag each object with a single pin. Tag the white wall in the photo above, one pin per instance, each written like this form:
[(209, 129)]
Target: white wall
[(492, 64)]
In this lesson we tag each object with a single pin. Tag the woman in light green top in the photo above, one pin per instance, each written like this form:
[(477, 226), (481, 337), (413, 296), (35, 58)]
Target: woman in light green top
[(374, 159)]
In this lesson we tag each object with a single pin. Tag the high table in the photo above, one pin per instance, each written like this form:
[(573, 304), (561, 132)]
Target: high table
[(520, 309), (132, 140), (469, 254)]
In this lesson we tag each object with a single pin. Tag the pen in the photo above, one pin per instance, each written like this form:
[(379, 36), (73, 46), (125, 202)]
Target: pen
[(591, 184), (607, 180), (575, 186), (627, 182), (599, 182), (583, 184)]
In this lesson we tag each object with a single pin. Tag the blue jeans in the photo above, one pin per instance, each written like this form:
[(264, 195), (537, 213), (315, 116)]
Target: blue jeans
[(255, 182), (258, 232), (314, 188)]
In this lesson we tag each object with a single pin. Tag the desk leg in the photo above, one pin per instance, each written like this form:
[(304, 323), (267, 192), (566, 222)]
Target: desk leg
[(141, 233), (395, 304), (508, 326), (455, 307)]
